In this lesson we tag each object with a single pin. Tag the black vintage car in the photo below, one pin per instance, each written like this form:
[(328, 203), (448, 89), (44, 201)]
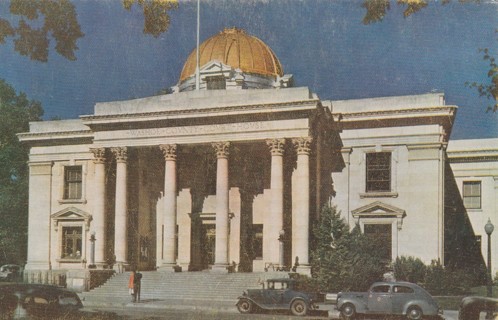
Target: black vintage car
[(279, 294), (10, 272), (471, 308), (27, 301)]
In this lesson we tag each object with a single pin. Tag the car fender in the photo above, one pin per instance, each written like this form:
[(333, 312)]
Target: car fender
[(306, 300), (360, 306), (262, 306), (426, 308)]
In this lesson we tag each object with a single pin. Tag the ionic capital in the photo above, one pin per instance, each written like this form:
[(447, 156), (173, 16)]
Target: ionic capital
[(121, 153), (222, 149), (276, 146), (303, 145), (98, 154), (169, 151)]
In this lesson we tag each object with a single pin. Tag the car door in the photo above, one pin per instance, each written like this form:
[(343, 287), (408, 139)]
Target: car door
[(274, 294), (401, 295), (379, 299)]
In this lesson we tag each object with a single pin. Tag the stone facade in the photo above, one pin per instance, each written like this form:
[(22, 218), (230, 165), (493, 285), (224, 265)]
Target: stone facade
[(232, 176)]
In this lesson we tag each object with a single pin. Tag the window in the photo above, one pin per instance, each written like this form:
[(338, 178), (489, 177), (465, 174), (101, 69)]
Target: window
[(402, 289), (378, 173), (381, 235), (72, 182), (381, 289), (257, 244), (472, 194), (216, 83), (71, 242)]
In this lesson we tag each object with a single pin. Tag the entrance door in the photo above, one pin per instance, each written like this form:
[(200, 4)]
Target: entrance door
[(381, 234), (208, 244)]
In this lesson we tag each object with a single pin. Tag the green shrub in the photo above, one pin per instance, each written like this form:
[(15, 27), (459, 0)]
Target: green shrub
[(447, 281), (409, 269)]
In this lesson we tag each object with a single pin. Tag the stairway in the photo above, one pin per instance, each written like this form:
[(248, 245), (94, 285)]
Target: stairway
[(184, 287)]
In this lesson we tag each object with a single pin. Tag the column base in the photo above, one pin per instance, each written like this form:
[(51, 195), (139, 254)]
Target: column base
[(169, 267), (121, 267), (305, 270), (37, 265), (219, 268)]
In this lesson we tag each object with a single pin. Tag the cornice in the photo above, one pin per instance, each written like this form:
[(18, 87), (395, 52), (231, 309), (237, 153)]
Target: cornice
[(26, 136), (428, 111), (203, 111), (473, 159)]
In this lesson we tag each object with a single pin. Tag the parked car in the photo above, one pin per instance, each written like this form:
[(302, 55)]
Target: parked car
[(279, 294), (10, 272), (472, 307), (22, 300), (388, 298)]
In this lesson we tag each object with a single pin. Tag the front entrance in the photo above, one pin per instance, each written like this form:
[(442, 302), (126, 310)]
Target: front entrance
[(208, 245), (381, 234)]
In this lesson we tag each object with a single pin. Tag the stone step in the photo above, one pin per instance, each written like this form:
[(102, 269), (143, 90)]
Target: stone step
[(186, 286)]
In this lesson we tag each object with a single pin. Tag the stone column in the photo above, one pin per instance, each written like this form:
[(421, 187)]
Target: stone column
[(169, 214), (121, 208), (99, 196), (221, 241), (301, 214), (276, 216)]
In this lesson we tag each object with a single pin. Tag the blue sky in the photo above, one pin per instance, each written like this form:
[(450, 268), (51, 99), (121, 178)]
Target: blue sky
[(321, 42)]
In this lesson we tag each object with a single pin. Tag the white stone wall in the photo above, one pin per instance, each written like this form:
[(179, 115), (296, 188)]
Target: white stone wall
[(477, 160), (417, 168)]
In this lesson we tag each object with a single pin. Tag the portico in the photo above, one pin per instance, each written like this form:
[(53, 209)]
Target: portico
[(222, 172)]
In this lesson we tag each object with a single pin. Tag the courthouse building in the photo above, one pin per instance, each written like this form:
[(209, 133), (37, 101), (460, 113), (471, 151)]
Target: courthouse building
[(235, 173)]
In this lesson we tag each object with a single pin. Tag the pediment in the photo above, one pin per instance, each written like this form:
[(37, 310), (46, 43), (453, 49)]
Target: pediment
[(379, 210), (214, 67), (71, 214)]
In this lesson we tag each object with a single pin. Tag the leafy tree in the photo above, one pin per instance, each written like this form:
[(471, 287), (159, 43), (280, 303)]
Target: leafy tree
[(343, 259), (156, 15), (16, 111), (489, 91), (39, 21)]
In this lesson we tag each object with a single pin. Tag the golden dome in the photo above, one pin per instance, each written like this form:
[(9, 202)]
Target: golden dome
[(237, 49)]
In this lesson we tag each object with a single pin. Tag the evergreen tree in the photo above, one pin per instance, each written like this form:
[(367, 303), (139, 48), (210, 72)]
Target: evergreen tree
[(343, 259)]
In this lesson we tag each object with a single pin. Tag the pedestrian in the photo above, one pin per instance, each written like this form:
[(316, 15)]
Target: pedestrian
[(137, 285), (131, 286)]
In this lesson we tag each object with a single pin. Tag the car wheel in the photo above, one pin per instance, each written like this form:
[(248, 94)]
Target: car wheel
[(414, 313), (348, 311), (299, 308), (245, 306)]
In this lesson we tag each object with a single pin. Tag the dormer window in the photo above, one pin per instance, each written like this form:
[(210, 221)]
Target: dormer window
[(216, 83)]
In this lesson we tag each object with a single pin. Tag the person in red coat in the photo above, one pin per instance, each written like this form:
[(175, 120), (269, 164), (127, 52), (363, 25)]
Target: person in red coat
[(131, 286)]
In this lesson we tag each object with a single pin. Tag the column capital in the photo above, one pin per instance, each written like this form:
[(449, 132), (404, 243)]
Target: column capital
[(169, 151), (99, 155), (276, 146), (222, 149), (121, 153), (303, 145)]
